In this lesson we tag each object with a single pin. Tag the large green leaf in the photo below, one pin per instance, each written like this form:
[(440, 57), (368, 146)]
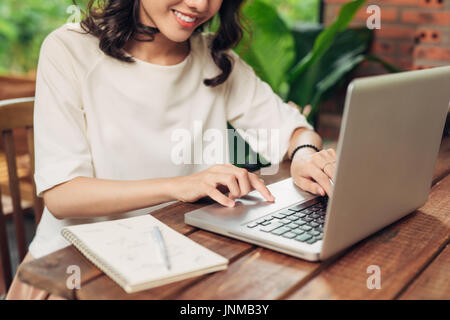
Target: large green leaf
[(326, 37), (351, 42), (337, 72), (269, 47), (304, 36), (317, 64)]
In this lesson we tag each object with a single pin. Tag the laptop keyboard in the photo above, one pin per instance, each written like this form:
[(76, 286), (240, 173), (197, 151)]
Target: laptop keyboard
[(302, 222)]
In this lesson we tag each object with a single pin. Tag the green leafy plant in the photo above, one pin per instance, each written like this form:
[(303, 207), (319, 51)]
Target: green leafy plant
[(306, 11), (308, 86), (23, 26), (269, 45), (304, 63)]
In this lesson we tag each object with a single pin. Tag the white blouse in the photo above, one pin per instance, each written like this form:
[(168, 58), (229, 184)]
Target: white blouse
[(99, 117)]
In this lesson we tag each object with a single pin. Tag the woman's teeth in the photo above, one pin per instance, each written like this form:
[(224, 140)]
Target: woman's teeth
[(183, 17)]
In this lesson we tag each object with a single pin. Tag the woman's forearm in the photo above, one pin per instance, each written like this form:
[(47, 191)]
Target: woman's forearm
[(84, 197)]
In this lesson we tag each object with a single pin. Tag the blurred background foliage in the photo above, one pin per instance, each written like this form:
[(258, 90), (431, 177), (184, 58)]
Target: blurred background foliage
[(305, 62), (23, 26), (301, 62), (292, 11)]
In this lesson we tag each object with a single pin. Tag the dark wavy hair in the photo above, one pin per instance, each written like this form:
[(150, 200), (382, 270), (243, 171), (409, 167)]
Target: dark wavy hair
[(115, 22)]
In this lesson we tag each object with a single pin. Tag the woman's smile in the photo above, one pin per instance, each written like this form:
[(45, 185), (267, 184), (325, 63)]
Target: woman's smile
[(188, 21)]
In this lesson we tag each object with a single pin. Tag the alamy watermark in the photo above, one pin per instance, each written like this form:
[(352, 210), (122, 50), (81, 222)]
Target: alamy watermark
[(374, 20), (74, 13), (213, 146), (74, 279), (374, 280)]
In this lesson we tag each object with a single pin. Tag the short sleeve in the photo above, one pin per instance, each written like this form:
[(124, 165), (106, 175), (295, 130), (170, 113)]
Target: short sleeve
[(61, 146), (253, 109)]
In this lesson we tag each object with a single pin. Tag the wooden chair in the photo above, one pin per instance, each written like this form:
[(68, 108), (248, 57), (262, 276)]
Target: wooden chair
[(16, 113)]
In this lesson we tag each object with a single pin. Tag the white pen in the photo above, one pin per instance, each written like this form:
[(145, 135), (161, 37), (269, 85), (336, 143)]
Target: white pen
[(162, 245)]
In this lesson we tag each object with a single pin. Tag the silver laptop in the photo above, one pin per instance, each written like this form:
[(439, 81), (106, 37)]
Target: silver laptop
[(387, 149)]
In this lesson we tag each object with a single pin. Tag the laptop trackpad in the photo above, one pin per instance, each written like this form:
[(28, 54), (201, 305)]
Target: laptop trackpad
[(253, 205)]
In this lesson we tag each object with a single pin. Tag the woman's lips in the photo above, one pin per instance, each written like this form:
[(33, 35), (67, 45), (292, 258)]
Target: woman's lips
[(184, 23)]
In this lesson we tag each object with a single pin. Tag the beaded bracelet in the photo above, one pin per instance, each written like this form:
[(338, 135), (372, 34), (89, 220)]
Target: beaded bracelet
[(303, 146)]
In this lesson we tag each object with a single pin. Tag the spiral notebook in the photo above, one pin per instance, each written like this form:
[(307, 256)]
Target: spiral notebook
[(126, 251)]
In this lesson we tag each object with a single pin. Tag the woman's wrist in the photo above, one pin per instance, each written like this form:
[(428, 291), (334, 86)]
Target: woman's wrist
[(171, 188), (304, 142), (303, 146), (303, 154)]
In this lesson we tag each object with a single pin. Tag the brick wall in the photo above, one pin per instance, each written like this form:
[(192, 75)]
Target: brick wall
[(414, 34)]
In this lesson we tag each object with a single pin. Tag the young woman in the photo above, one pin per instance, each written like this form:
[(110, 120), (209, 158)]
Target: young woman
[(112, 91)]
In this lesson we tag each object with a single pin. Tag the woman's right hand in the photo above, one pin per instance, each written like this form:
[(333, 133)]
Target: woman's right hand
[(238, 181)]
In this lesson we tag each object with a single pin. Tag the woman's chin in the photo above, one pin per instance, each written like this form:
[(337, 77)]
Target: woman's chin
[(176, 35)]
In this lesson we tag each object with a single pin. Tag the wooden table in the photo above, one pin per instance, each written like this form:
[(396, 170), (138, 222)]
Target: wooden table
[(413, 255)]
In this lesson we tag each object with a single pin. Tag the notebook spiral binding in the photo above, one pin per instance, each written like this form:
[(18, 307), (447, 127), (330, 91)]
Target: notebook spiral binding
[(99, 263)]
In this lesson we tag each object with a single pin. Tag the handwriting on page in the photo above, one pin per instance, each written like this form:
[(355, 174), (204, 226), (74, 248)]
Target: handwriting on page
[(129, 246)]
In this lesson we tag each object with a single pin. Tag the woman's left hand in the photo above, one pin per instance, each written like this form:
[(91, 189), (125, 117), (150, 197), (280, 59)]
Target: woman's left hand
[(313, 170)]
